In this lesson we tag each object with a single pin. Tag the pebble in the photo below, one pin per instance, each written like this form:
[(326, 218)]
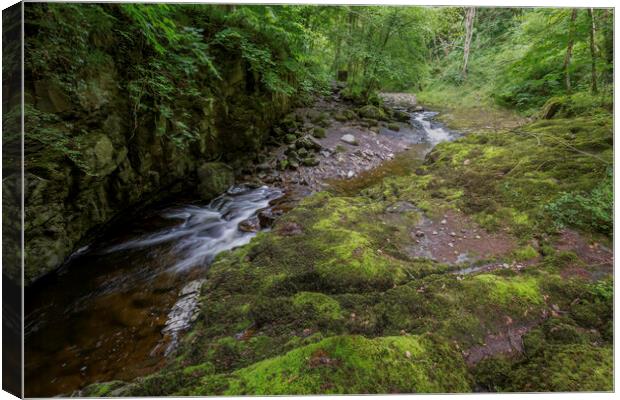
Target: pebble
[(408, 354), (435, 233), (419, 234), (451, 244), (350, 174), (452, 234), (478, 237), (443, 222)]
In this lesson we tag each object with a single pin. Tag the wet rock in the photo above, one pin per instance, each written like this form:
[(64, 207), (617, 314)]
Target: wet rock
[(371, 112), (249, 225), (350, 174), (349, 139), (394, 127), (443, 222), (369, 122), (267, 217), (182, 313), (302, 152), (310, 162), (419, 234), (319, 133), (340, 117), (401, 116), (214, 178), (308, 143)]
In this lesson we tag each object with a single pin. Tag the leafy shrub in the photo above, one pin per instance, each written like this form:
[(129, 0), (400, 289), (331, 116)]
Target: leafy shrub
[(588, 211)]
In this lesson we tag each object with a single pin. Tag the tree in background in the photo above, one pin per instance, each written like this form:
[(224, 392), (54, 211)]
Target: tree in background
[(569, 49), (469, 31)]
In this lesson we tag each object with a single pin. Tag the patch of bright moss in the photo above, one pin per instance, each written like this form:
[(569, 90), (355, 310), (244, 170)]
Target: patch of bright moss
[(353, 364), (508, 290), (317, 306)]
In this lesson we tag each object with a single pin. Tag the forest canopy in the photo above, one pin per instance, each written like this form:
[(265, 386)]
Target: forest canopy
[(517, 57)]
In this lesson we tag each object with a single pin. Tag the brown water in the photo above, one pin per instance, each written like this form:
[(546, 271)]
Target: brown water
[(101, 316)]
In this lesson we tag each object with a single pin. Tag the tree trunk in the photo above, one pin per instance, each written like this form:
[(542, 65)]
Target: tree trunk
[(469, 30), (569, 49), (593, 49)]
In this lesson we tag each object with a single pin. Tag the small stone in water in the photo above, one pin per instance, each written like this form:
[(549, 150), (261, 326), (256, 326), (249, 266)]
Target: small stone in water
[(435, 233), (443, 222), (419, 234), (350, 174)]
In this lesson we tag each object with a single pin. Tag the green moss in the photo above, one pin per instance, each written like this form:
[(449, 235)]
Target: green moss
[(566, 368), (101, 389), (318, 132), (317, 306), (508, 290), (525, 253), (353, 364)]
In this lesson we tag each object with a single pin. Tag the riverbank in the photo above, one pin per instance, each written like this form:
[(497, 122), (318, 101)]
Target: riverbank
[(118, 307), (458, 274)]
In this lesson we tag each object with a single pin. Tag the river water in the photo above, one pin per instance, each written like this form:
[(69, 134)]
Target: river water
[(117, 307)]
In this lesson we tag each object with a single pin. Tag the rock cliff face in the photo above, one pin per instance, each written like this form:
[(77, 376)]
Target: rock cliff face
[(90, 155)]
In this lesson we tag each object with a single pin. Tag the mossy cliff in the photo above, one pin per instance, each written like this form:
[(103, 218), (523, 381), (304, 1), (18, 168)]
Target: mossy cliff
[(333, 301), (123, 104)]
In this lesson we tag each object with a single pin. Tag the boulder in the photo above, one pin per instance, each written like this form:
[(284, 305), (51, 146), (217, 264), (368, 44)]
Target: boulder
[(349, 139), (308, 142), (319, 133), (251, 224), (372, 112), (401, 116), (310, 162), (214, 178), (302, 152)]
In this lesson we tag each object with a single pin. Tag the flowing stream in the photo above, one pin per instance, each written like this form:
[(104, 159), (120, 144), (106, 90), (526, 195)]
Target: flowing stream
[(117, 307), (114, 309)]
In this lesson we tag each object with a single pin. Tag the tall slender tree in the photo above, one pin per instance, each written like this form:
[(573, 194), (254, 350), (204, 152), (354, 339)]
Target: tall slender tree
[(593, 86), (469, 30), (569, 49)]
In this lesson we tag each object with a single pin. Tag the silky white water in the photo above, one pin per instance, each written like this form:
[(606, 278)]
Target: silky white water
[(204, 232)]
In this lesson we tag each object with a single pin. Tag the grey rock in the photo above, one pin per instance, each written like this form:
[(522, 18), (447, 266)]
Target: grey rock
[(349, 139)]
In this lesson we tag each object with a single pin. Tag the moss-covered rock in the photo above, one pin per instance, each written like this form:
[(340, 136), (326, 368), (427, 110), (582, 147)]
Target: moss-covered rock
[(214, 178), (318, 132), (350, 365), (372, 112)]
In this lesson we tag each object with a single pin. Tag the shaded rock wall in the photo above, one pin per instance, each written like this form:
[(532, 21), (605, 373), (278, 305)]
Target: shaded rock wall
[(89, 156)]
